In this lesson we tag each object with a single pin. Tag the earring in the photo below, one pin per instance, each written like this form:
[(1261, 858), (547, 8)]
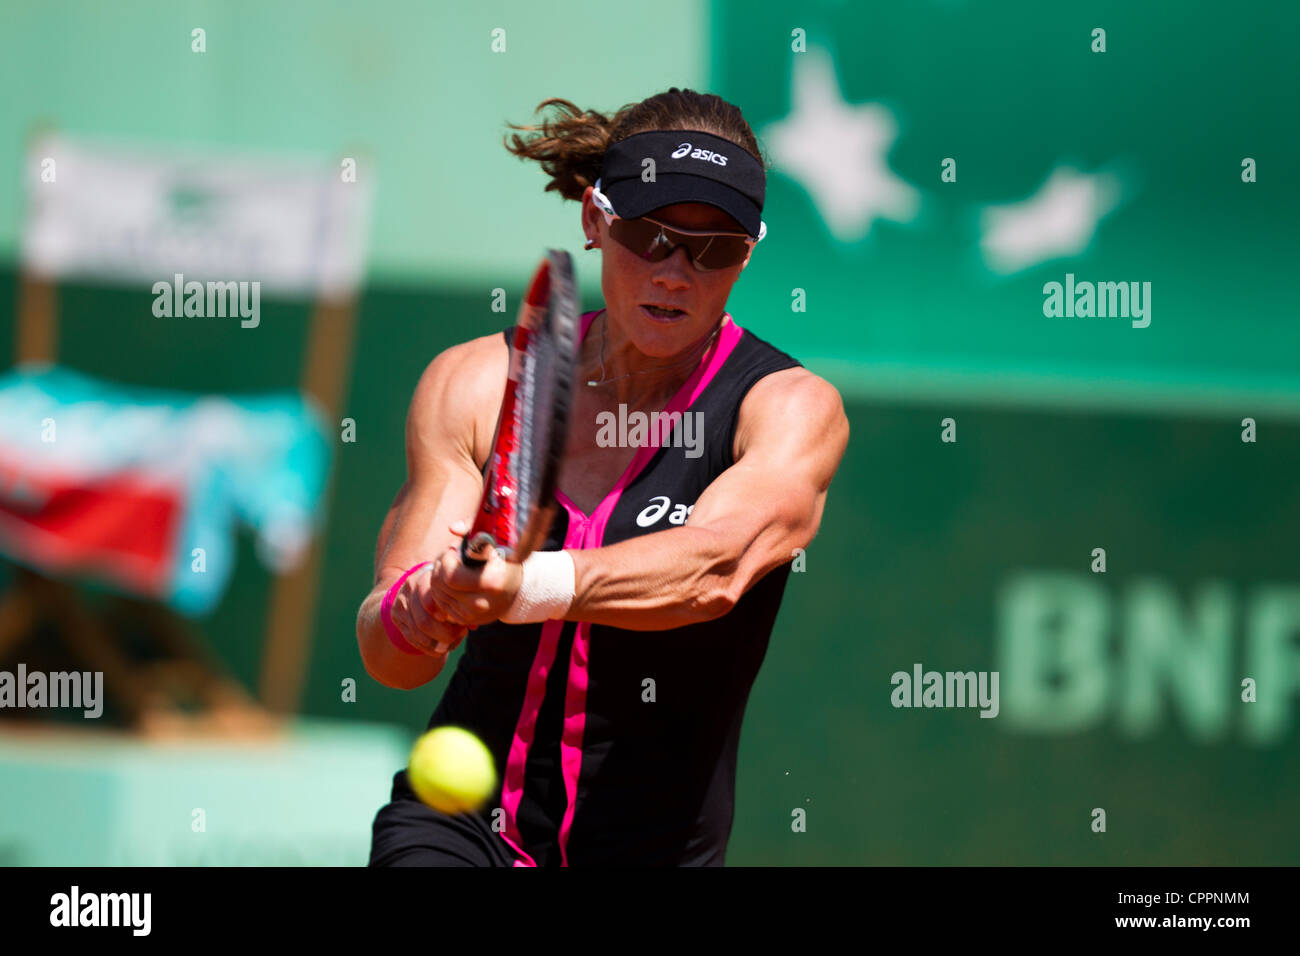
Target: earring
[(591, 244)]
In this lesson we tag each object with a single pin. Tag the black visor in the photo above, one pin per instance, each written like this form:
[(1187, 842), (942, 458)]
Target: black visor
[(688, 166)]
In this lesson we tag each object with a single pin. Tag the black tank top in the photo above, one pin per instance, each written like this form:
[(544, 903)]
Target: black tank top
[(619, 747)]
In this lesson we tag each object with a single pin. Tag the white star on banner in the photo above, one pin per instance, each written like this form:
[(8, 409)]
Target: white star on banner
[(1059, 220), (837, 151)]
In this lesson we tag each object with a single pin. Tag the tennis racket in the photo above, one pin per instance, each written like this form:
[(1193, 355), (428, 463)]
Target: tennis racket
[(519, 503)]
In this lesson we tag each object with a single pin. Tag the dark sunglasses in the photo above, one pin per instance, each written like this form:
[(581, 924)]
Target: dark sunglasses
[(654, 241)]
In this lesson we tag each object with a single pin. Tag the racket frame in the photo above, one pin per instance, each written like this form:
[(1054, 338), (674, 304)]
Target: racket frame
[(550, 307)]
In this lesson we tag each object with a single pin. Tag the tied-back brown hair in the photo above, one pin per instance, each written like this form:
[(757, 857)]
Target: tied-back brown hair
[(571, 144)]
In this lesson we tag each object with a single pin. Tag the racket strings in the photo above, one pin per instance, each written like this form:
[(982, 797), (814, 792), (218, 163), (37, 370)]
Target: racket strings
[(525, 447)]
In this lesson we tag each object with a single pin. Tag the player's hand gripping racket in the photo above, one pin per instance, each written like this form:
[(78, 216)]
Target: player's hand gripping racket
[(519, 503)]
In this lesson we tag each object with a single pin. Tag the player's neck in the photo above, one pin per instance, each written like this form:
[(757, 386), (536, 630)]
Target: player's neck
[(631, 377)]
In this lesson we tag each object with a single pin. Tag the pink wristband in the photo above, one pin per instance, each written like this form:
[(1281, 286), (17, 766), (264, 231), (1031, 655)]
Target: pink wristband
[(386, 613)]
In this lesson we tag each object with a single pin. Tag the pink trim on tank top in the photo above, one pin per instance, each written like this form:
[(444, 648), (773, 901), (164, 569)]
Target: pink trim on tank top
[(585, 531)]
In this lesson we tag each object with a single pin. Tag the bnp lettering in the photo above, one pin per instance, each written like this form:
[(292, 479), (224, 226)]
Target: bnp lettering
[(1075, 655)]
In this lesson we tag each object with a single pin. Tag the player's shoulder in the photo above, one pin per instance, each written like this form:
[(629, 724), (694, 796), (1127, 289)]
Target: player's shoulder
[(794, 390), (462, 378), (475, 362), (468, 355), (789, 402)]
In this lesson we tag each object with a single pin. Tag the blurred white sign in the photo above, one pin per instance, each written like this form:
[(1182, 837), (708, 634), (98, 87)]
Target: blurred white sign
[(131, 213)]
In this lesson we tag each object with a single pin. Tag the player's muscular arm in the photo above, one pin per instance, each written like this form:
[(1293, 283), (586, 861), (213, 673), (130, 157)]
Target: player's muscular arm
[(455, 401), (790, 437)]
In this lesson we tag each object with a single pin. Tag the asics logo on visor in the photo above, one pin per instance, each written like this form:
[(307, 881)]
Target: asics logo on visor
[(704, 154)]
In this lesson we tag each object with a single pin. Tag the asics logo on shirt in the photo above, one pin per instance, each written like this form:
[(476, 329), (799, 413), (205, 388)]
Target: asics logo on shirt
[(658, 507)]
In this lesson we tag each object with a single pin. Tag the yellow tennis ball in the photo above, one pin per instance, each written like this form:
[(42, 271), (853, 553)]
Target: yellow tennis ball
[(451, 770)]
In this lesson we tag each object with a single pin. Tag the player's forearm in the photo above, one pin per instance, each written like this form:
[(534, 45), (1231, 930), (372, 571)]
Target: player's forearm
[(664, 580)]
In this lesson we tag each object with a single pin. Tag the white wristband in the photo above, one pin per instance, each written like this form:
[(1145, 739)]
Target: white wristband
[(547, 588)]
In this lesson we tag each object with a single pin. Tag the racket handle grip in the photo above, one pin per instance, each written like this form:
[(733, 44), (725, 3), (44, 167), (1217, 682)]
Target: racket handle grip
[(473, 547)]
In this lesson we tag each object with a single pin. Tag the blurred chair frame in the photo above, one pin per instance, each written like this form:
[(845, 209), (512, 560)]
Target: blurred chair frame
[(149, 694)]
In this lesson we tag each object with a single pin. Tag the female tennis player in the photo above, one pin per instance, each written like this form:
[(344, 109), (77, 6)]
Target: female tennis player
[(608, 674)]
